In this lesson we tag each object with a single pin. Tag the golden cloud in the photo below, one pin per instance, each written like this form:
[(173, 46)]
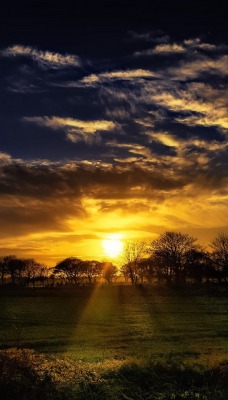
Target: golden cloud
[(44, 58), (209, 104), (195, 68), (169, 48), (76, 129), (164, 138), (123, 75)]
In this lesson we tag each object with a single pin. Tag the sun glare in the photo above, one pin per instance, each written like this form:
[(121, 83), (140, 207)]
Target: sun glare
[(112, 245)]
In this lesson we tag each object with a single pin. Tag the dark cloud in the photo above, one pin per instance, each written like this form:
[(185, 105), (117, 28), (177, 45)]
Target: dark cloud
[(73, 180), (59, 182), (20, 215)]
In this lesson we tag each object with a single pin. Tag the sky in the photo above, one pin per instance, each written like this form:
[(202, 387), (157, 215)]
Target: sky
[(113, 121)]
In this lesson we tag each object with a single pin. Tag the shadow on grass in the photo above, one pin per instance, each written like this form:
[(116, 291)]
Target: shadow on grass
[(112, 322), (42, 319)]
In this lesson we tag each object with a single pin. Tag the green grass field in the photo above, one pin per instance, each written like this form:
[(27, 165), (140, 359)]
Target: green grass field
[(102, 324), (107, 329)]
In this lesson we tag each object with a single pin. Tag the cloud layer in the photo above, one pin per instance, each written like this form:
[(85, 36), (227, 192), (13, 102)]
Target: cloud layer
[(134, 143)]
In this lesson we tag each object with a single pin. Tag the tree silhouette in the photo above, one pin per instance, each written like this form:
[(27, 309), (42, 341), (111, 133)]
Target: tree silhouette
[(3, 269), (198, 262), (34, 272), (70, 268), (30, 270), (159, 268), (220, 255), (91, 269), (11, 265), (172, 250), (133, 252), (109, 271)]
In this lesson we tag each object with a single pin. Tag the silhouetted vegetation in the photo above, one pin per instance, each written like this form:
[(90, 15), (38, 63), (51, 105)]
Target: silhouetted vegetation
[(22, 271), (173, 258)]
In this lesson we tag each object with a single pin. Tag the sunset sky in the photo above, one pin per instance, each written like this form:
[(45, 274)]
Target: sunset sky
[(113, 120)]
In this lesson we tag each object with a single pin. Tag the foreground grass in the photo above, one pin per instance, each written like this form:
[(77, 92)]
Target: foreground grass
[(30, 375)]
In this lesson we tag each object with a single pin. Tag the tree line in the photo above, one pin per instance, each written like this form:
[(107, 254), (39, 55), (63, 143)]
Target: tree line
[(172, 258), (25, 272), (176, 258)]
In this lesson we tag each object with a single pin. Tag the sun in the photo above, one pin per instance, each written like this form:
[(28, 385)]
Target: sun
[(113, 245)]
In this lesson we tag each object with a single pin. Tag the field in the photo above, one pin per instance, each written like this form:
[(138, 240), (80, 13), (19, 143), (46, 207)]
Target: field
[(106, 329)]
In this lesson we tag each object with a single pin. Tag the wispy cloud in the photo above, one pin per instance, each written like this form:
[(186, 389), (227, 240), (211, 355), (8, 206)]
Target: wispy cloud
[(156, 36), (164, 138), (162, 49), (169, 48), (45, 59), (127, 75), (207, 105), (193, 69), (164, 45), (133, 148), (184, 144), (197, 44), (75, 129), (187, 46)]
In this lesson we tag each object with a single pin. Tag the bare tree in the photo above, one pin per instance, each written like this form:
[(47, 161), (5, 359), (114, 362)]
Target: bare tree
[(133, 252), (172, 249), (220, 255)]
